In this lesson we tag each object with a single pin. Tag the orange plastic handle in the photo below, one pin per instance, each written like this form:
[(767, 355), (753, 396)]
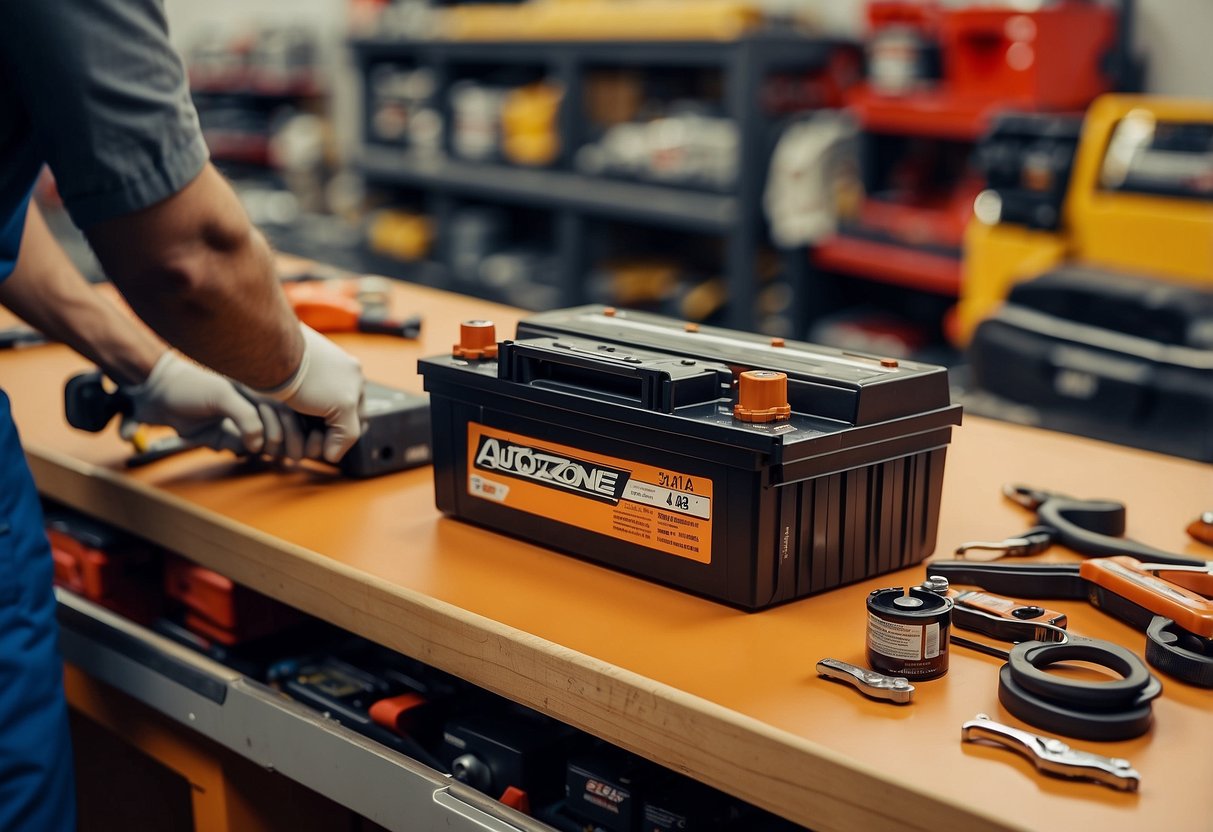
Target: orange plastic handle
[(1124, 576)]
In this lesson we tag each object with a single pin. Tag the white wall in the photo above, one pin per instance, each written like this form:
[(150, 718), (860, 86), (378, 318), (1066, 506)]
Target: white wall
[(1174, 37), (188, 16)]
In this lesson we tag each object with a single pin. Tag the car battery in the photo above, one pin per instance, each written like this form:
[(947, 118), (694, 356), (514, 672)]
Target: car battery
[(746, 469), (600, 791), (673, 803)]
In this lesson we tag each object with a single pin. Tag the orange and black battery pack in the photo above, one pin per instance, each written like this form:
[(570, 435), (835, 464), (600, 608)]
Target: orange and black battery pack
[(217, 608), (396, 435), (746, 469)]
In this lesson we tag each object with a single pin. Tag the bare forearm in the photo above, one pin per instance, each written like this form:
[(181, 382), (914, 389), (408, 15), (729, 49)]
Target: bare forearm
[(199, 274), (48, 292)]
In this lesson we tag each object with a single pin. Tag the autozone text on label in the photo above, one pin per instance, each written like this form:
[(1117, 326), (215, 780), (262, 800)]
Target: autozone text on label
[(590, 479)]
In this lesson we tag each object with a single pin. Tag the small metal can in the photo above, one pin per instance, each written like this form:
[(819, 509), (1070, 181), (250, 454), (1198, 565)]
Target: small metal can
[(908, 632)]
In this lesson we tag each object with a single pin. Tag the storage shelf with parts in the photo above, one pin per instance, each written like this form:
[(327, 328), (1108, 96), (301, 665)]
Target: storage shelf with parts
[(663, 205), (517, 123), (399, 742)]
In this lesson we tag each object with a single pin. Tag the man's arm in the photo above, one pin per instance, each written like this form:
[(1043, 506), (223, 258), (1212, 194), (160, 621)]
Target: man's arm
[(47, 291), (195, 269), (107, 107)]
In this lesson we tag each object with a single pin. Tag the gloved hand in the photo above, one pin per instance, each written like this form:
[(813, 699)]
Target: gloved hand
[(199, 404), (328, 384)]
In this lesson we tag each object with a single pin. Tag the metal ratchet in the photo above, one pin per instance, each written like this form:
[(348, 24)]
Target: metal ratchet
[(1053, 756), (877, 685)]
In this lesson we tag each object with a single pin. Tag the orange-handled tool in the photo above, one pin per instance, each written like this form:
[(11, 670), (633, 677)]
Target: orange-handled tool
[(1178, 622), (329, 310)]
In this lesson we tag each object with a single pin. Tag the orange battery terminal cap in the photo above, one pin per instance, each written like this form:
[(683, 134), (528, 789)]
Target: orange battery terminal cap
[(610, 313), (691, 327), (477, 339), (516, 798), (889, 362), (393, 713), (778, 342), (762, 396)]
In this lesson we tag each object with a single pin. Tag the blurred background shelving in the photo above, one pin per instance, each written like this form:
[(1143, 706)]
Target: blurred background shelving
[(801, 168)]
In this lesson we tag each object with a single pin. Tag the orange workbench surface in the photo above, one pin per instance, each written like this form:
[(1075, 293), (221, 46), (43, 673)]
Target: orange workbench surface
[(730, 697)]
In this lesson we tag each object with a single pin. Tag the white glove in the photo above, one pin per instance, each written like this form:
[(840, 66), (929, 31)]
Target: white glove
[(199, 404), (328, 384), (284, 435)]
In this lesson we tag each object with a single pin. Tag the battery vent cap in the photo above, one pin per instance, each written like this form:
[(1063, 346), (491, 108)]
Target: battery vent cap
[(477, 339), (762, 396)]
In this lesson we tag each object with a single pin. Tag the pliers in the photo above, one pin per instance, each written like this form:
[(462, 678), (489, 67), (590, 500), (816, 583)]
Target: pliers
[(1178, 622), (1094, 528)]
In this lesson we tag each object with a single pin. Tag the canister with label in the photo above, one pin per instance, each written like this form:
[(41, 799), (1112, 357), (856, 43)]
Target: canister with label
[(908, 632)]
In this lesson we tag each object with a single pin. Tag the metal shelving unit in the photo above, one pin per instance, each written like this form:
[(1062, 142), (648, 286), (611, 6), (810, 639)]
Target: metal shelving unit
[(734, 215), (597, 196)]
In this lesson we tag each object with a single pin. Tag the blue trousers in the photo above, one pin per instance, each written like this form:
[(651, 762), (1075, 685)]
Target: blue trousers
[(37, 787)]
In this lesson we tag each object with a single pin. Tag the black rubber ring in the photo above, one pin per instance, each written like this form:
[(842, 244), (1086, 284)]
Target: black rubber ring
[(1028, 661), (1166, 651), (1099, 726)]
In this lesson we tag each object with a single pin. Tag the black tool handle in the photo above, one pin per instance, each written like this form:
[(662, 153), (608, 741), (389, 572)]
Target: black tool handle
[(1094, 528), (1176, 652), (402, 328), (89, 406), (1030, 580)]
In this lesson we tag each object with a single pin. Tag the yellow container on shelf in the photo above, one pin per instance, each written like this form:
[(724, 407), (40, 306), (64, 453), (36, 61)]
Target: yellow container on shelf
[(601, 20), (528, 124), (405, 235)]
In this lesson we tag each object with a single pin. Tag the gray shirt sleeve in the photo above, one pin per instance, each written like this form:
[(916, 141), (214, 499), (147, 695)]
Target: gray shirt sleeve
[(107, 100)]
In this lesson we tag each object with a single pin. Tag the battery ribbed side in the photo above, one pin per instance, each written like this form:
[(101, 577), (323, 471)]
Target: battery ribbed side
[(863, 522)]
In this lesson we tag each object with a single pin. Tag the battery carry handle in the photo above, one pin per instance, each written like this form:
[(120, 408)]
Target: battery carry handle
[(657, 384)]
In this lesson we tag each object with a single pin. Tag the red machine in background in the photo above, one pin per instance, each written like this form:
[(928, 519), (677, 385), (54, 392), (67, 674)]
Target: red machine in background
[(937, 76)]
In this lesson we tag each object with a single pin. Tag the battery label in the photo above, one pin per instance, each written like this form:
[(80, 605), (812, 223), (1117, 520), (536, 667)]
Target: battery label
[(665, 510), (907, 642)]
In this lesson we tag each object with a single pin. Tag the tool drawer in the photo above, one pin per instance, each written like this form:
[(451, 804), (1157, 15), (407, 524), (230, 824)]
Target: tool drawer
[(262, 725)]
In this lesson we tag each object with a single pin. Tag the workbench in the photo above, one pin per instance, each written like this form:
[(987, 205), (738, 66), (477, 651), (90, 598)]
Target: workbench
[(731, 698)]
